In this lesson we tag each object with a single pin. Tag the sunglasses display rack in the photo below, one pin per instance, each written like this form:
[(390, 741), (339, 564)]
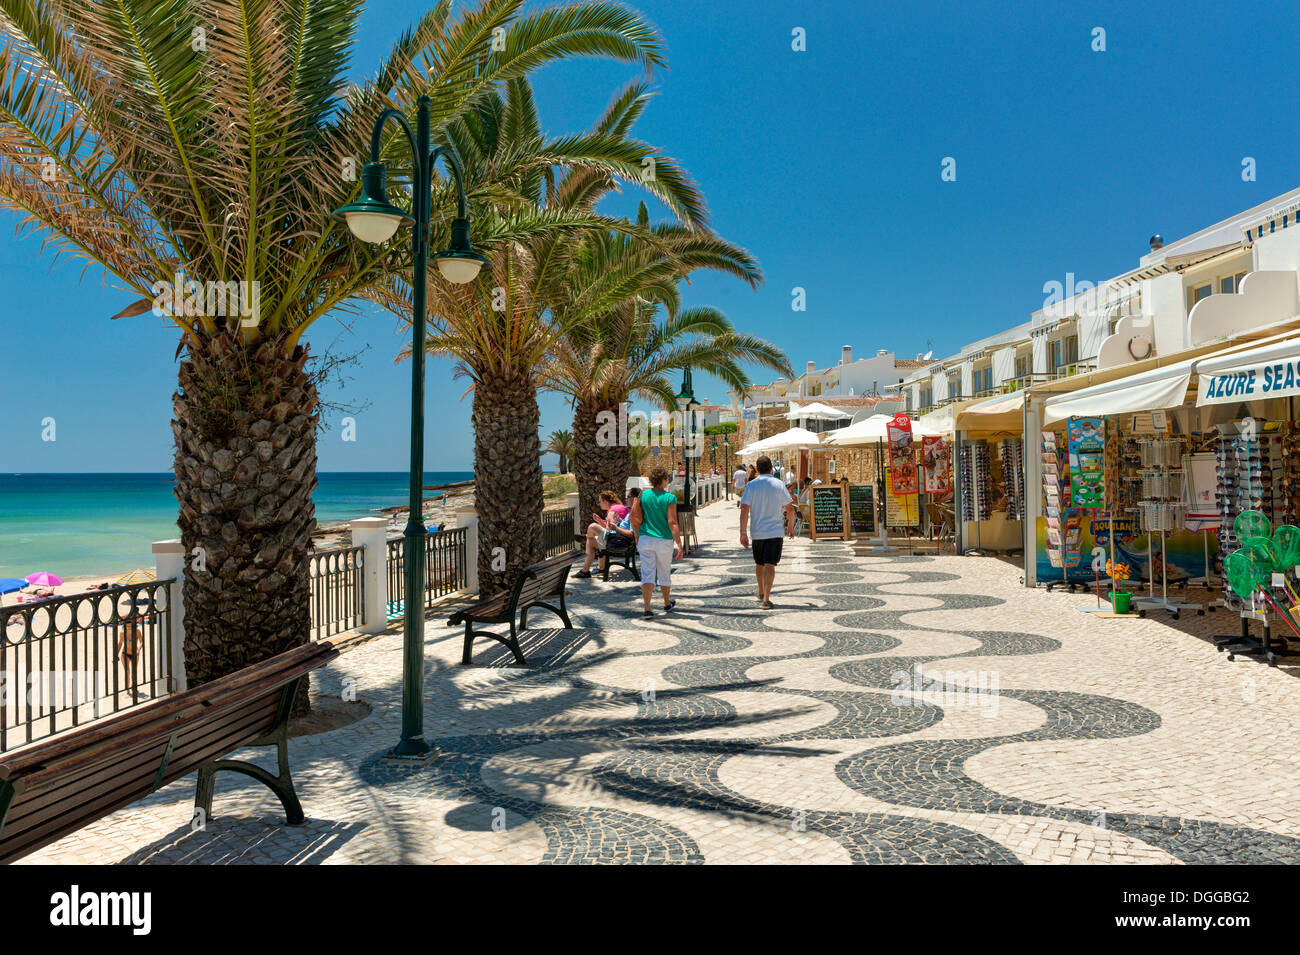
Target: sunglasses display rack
[(1162, 508), (1256, 469), (1288, 487), (977, 488), (977, 483), (1012, 453), (1248, 467)]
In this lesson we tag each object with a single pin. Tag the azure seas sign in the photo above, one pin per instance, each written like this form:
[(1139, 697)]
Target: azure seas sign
[(830, 506), (1275, 380)]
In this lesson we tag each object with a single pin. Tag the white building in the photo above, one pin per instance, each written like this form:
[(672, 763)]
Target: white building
[(847, 378), (1238, 274)]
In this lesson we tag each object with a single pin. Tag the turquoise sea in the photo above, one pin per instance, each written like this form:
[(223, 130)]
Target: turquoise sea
[(83, 525)]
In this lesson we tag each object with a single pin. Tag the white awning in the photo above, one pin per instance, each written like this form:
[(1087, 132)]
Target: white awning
[(1268, 371), (1151, 390), (998, 404)]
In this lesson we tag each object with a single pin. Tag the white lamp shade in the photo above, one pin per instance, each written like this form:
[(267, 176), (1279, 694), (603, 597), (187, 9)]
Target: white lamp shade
[(459, 270), (373, 227)]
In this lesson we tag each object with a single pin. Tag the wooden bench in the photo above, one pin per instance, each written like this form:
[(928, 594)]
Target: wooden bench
[(534, 587), (626, 558), (55, 787)]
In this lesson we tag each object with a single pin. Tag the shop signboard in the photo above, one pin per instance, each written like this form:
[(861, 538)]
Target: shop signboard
[(902, 455), (1249, 383), (1087, 445), (862, 508), (830, 509), (936, 462), (901, 510)]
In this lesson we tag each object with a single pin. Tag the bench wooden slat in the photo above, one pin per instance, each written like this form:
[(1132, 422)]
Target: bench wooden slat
[(58, 786), (77, 796)]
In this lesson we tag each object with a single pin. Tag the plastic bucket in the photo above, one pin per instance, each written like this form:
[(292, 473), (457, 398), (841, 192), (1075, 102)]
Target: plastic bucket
[(1119, 600)]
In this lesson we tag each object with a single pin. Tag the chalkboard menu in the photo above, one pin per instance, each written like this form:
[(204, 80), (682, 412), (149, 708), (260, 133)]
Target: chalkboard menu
[(830, 505), (862, 508)]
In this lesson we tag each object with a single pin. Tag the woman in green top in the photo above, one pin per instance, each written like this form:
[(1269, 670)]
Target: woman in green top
[(654, 517)]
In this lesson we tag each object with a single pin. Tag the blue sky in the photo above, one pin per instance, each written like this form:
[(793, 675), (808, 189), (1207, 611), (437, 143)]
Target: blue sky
[(825, 163)]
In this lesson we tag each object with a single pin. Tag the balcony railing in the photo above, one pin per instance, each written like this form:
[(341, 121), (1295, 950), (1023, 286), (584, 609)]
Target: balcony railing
[(67, 660), (338, 598), (557, 531), (444, 568)]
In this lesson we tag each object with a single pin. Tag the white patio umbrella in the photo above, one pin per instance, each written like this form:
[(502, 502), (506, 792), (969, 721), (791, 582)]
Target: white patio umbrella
[(785, 441), (816, 410), (872, 430)]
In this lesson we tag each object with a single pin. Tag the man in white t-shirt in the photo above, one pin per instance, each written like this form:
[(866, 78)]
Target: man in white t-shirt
[(766, 509), (738, 481)]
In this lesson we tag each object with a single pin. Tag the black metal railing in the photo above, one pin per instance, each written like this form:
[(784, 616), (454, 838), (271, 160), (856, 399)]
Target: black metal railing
[(338, 591), (557, 531), (67, 660), (445, 568)]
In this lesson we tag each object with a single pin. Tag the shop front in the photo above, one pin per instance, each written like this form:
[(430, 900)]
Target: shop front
[(1142, 478), (989, 477)]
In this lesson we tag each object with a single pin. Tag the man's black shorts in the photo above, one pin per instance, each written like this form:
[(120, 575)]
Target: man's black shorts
[(767, 551)]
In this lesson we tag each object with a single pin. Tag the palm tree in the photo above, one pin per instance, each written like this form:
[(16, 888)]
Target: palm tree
[(203, 146), (499, 329), (625, 351), (560, 443)]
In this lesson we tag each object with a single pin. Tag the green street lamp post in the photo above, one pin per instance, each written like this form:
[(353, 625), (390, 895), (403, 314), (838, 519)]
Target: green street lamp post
[(685, 400), (726, 476), (372, 218)]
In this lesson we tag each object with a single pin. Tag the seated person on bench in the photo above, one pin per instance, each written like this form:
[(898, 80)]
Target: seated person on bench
[(613, 536)]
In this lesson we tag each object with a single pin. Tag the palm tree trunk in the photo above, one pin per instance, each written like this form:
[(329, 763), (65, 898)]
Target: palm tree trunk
[(507, 477), (245, 429), (597, 466)]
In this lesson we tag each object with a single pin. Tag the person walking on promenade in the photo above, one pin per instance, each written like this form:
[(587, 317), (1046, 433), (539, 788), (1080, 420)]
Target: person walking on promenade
[(738, 481), (768, 504), (654, 517)]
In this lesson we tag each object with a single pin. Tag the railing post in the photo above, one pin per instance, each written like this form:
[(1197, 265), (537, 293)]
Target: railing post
[(169, 561), (571, 502), (372, 534), (467, 518)]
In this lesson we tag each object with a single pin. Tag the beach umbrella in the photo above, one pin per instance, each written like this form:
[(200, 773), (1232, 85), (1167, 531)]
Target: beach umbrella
[(9, 584), (141, 575), (45, 579)]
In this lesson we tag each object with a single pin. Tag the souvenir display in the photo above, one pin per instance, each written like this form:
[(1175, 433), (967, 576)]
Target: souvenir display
[(1087, 444), (1062, 517)]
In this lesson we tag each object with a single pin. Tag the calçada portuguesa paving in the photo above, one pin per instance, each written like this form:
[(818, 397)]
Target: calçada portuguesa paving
[(891, 709)]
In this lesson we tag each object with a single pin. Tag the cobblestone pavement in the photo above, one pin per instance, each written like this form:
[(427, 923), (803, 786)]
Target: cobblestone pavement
[(891, 709)]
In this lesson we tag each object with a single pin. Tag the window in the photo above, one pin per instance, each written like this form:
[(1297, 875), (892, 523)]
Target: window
[(1231, 283), (1194, 295), (1022, 365)]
